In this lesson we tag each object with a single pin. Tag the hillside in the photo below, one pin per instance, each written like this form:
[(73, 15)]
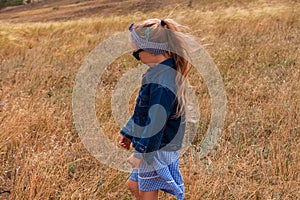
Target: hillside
[(53, 10), (255, 46)]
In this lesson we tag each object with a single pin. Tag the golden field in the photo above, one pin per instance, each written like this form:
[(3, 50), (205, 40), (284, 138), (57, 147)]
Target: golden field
[(255, 46)]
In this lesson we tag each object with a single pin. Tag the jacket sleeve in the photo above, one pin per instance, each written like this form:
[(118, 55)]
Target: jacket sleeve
[(146, 145), (128, 129)]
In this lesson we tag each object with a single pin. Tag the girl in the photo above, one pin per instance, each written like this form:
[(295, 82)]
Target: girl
[(157, 126)]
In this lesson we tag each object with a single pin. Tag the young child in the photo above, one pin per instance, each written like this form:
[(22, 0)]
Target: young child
[(157, 126)]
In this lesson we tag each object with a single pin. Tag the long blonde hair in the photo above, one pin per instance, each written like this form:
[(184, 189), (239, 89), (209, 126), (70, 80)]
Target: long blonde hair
[(177, 52)]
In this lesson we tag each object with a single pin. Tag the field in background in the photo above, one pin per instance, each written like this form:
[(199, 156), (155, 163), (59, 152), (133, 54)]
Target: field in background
[(255, 46)]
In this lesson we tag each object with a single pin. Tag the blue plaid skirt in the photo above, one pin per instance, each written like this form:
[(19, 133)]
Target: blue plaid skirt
[(163, 174)]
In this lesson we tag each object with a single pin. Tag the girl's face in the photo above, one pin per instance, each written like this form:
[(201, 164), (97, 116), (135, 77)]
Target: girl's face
[(148, 58), (152, 59)]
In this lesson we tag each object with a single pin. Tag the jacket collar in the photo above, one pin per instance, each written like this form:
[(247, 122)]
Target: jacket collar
[(156, 71), (163, 66), (168, 62)]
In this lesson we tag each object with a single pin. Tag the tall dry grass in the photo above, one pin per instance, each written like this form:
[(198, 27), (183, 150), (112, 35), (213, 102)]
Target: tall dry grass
[(256, 47)]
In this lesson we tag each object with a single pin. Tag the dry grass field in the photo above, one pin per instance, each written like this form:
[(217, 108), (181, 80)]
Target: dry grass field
[(256, 46)]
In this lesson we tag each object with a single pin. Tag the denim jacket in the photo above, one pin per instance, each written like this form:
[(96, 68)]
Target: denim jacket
[(153, 125)]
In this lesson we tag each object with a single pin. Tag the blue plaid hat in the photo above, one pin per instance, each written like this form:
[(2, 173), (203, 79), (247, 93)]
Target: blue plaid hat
[(145, 44)]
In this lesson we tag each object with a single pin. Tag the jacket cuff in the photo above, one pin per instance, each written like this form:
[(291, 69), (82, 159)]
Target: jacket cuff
[(122, 132)]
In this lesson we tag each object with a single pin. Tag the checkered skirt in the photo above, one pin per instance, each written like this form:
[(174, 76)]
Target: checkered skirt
[(163, 174)]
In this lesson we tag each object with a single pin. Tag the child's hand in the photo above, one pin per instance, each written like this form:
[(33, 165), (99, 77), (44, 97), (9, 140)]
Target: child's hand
[(124, 142), (134, 162)]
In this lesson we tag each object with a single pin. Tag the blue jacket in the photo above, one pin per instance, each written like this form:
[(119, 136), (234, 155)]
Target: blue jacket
[(153, 125)]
